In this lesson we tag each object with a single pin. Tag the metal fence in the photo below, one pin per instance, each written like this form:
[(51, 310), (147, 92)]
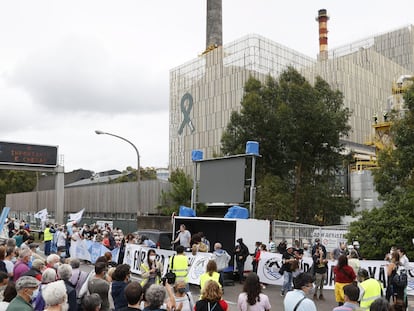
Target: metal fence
[(303, 233), (104, 201)]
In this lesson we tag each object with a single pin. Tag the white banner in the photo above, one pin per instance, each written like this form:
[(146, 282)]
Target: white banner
[(79, 249), (76, 216), (42, 215), (270, 263), (135, 255)]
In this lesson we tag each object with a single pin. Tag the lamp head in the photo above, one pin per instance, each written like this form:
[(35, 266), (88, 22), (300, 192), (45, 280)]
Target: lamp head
[(99, 132)]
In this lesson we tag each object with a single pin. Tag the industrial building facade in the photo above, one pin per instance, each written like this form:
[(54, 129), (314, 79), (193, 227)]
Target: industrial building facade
[(205, 91)]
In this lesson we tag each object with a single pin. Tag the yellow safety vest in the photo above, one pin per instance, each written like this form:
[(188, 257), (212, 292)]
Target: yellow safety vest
[(372, 290), (47, 235), (144, 269), (206, 277), (180, 267)]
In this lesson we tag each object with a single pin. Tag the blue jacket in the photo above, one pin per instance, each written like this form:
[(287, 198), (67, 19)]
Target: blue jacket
[(118, 294)]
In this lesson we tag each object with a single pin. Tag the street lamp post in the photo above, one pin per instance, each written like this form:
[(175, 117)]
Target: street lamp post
[(98, 132)]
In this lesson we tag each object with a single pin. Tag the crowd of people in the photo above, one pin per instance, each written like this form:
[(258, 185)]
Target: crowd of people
[(32, 280)]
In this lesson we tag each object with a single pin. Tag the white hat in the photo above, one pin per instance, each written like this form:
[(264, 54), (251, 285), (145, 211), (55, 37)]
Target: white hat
[(289, 246)]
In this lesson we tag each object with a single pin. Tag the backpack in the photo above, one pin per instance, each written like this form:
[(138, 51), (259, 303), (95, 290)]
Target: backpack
[(400, 278)]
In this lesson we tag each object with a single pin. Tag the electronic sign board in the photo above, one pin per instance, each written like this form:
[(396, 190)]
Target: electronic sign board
[(28, 155)]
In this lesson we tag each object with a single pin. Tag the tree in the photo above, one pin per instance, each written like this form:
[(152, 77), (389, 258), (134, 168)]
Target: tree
[(180, 194), (391, 225), (15, 182), (298, 127)]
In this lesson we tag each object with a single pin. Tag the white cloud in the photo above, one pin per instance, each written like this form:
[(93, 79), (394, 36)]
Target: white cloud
[(79, 75)]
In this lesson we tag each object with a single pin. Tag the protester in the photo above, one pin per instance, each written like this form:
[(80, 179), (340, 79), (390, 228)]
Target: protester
[(179, 264), (351, 295), (8, 260), (151, 269), (64, 272), (320, 266), (48, 276), (99, 285), (241, 252), (92, 302), (155, 297), (78, 276), (211, 298), (222, 258), (252, 298), (340, 250), (353, 261), (289, 261), (27, 288), (61, 238), (120, 279), (380, 304), (53, 261), (47, 238), (204, 240), (404, 261), (210, 274), (297, 299), (22, 265), (393, 291), (344, 275), (184, 297), (198, 245), (370, 289), (8, 295), (184, 236), (133, 294), (255, 254), (37, 269), (55, 297)]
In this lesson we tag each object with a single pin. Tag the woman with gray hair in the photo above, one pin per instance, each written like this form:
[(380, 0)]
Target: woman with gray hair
[(55, 297), (48, 276), (156, 295), (65, 273)]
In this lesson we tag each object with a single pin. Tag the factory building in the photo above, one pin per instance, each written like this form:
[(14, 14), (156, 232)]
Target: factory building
[(205, 90)]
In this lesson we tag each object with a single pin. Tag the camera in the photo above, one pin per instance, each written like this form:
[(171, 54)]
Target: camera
[(169, 277)]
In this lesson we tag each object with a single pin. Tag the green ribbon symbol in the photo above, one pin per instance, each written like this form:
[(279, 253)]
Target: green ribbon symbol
[(186, 113)]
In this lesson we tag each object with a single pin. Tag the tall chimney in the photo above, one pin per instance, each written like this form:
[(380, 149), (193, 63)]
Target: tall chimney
[(322, 19), (214, 24)]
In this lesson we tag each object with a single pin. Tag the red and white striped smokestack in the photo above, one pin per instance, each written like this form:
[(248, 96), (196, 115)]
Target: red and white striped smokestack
[(322, 19)]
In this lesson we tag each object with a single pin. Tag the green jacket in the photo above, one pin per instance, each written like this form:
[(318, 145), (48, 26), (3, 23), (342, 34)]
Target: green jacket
[(19, 304)]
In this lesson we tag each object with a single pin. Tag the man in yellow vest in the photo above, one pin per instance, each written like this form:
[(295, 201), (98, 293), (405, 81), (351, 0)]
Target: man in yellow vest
[(370, 289), (47, 238), (179, 265)]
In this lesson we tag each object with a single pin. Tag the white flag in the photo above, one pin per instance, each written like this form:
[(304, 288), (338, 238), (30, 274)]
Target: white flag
[(76, 216), (42, 215)]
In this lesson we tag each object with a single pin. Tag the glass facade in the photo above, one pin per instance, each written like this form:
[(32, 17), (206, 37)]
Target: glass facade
[(205, 91)]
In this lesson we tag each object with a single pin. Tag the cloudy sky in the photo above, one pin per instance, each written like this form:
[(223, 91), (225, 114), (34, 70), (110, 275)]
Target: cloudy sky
[(68, 68)]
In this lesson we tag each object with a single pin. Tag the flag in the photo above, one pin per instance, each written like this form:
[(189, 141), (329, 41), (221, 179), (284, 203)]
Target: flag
[(76, 216), (3, 216), (42, 215)]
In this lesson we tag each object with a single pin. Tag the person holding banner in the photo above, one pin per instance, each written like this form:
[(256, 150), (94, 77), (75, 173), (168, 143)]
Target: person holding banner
[(151, 269)]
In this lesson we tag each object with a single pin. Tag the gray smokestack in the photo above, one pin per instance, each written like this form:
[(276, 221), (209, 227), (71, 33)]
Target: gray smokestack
[(214, 24)]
